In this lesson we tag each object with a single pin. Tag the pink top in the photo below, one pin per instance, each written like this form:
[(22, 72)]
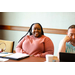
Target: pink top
[(33, 46)]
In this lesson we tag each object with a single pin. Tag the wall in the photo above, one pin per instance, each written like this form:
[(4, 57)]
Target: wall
[(58, 20)]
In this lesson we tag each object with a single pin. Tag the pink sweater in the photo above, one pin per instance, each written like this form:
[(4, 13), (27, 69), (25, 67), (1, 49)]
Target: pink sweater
[(33, 46)]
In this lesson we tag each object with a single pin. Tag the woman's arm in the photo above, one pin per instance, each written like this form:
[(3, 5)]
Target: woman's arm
[(48, 48), (19, 47)]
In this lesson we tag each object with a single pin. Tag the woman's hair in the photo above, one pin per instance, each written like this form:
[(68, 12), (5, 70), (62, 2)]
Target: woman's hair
[(30, 30)]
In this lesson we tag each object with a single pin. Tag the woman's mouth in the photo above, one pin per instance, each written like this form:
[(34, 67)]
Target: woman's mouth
[(36, 33)]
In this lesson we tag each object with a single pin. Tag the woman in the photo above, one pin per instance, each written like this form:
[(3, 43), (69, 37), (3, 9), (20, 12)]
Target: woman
[(36, 43)]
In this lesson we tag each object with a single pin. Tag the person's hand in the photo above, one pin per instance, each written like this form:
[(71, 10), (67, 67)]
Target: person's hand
[(37, 55), (67, 39)]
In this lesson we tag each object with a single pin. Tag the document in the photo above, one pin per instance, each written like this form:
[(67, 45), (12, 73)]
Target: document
[(14, 56), (3, 59), (17, 56)]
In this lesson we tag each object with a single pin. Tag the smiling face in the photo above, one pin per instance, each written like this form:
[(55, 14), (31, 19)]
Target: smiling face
[(36, 30)]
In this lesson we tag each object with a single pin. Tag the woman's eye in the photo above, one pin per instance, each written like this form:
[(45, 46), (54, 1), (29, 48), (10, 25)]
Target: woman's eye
[(36, 29)]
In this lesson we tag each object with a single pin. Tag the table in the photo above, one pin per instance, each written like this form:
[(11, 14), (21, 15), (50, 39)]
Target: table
[(32, 59)]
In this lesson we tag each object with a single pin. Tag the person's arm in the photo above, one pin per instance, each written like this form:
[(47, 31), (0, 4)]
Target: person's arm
[(49, 48), (19, 47), (62, 45)]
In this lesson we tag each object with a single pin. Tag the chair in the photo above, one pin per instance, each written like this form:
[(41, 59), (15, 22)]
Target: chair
[(7, 46)]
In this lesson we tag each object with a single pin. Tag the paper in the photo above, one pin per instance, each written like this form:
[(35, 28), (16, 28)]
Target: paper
[(17, 55), (3, 59), (2, 54)]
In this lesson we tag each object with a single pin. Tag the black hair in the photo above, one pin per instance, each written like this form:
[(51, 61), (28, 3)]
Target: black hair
[(30, 29), (72, 26)]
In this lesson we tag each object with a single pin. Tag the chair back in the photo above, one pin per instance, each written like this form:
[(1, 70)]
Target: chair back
[(7, 46)]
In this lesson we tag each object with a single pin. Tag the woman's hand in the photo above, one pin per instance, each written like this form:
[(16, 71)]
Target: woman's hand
[(37, 55)]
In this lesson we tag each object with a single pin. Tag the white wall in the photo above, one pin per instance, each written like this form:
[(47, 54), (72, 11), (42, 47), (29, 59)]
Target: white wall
[(58, 20)]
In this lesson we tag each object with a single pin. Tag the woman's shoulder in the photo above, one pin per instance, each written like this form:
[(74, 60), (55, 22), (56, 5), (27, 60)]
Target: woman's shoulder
[(45, 37), (42, 37), (28, 35)]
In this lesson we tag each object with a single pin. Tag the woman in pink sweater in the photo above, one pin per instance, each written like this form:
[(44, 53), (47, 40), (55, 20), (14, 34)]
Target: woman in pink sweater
[(36, 44)]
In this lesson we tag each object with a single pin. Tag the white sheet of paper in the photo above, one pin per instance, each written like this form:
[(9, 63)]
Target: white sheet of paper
[(17, 55), (3, 59)]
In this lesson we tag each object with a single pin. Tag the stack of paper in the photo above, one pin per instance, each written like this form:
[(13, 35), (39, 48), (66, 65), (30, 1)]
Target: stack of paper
[(17, 55)]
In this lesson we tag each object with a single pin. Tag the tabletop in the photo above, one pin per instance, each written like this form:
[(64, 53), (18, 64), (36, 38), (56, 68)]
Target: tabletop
[(32, 59)]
